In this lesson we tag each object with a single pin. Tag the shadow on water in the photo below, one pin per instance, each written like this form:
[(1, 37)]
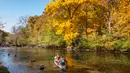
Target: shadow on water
[(99, 62)]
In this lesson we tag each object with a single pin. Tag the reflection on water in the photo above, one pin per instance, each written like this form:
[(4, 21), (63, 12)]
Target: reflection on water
[(78, 62)]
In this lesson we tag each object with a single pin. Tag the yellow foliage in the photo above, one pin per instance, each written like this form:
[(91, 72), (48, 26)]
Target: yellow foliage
[(66, 28), (71, 18)]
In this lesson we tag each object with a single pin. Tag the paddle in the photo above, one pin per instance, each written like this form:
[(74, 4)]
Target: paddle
[(50, 59)]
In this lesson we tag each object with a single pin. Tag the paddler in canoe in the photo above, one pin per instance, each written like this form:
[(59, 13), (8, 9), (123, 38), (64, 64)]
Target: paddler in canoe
[(60, 62)]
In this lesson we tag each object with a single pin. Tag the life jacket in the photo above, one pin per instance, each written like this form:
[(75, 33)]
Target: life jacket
[(58, 57), (62, 61)]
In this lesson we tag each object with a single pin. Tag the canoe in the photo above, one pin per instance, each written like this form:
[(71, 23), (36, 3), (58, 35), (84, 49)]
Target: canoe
[(62, 67)]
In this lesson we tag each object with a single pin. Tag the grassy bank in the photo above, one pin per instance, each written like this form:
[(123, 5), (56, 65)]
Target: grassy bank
[(3, 69)]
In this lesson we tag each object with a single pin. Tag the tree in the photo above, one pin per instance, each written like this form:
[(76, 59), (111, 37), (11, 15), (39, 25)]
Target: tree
[(15, 35), (3, 36), (2, 25), (121, 19), (73, 18), (23, 20)]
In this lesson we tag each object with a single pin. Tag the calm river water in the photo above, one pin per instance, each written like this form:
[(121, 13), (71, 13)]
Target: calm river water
[(19, 61)]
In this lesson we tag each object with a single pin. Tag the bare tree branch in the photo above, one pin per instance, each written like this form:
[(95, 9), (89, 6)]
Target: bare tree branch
[(2, 25), (23, 20)]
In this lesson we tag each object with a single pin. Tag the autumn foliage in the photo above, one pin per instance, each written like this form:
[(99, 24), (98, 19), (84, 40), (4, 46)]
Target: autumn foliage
[(95, 23)]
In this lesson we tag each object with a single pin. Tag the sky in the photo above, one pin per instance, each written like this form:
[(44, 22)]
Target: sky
[(12, 10)]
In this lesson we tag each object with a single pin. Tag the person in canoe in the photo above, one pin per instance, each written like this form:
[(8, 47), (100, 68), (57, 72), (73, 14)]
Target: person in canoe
[(57, 59), (60, 62)]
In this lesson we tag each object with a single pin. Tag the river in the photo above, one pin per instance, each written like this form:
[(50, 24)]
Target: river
[(18, 60)]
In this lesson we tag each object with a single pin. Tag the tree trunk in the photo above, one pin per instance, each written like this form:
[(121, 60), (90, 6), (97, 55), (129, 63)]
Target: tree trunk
[(109, 18)]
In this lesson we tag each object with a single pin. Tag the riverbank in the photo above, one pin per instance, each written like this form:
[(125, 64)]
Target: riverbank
[(34, 46), (81, 48), (3, 69)]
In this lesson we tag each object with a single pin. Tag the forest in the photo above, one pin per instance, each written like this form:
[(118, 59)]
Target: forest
[(91, 24)]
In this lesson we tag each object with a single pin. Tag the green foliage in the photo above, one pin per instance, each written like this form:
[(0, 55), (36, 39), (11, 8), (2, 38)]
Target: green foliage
[(107, 43), (3, 36), (126, 45), (93, 44), (118, 44)]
